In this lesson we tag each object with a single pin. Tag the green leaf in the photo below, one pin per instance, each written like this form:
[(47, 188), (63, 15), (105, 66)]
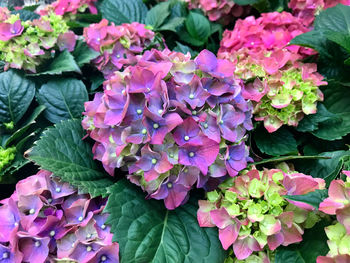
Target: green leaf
[(123, 11), (327, 169), (158, 14), (64, 62), (63, 99), (147, 232), (312, 39), (311, 122), (339, 38), (16, 94), (62, 151), (312, 198), (335, 19), (184, 49), (18, 134), (198, 26), (172, 24), (246, 2), (280, 142), (186, 37), (25, 15), (314, 244), (83, 54)]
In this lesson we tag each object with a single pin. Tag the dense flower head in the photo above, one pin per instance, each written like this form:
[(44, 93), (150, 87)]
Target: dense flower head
[(266, 256), (252, 214), (6, 156), (269, 32), (46, 220), (282, 88), (306, 10), (338, 203), (172, 122), (62, 7), (119, 45), (219, 10), (26, 44)]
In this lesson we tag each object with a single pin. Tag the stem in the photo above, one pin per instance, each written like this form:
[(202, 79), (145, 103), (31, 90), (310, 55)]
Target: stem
[(287, 158)]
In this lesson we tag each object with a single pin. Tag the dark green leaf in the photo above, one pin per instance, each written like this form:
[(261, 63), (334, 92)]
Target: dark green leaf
[(147, 232), (313, 39), (280, 142), (83, 54), (311, 122), (63, 99), (335, 19), (172, 24), (97, 81), (64, 62), (327, 169), (313, 198), (184, 49), (157, 15), (18, 134), (25, 15), (16, 94), (314, 244), (339, 38), (123, 11), (186, 37), (246, 2), (198, 26), (62, 151)]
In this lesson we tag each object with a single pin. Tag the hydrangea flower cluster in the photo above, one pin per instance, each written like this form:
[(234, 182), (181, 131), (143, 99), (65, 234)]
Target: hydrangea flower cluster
[(256, 257), (269, 32), (46, 220), (338, 203), (118, 45), (219, 10), (172, 121), (307, 9), (25, 44), (62, 7), (252, 214), (6, 156), (282, 88)]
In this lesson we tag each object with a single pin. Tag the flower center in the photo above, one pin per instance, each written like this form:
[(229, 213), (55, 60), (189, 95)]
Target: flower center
[(31, 211), (191, 154), (5, 255), (88, 248), (160, 111), (144, 131), (194, 112), (103, 226), (88, 236), (103, 258), (221, 122), (37, 243), (52, 233), (169, 185), (155, 125), (186, 138), (205, 125), (80, 218), (58, 189), (139, 111), (154, 161), (191, 96)]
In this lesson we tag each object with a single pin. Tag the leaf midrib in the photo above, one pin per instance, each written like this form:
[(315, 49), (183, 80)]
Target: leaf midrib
[(162, 236)]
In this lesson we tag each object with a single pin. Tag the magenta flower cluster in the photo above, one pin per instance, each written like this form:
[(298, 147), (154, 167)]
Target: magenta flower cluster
[(172, 122), (119, 45), (219, 10), (62, 7), (46, 220), (306, 10)]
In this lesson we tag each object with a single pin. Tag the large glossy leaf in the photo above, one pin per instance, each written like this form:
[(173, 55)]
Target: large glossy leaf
[(314, 244), (198, 26), (62, 151), (327, 169), (64, 62), (63, 99), (158, 14), (16, 94), (334, 19), (280, 142), (83, 54), (123, 11), (312, 198), (147, 232)]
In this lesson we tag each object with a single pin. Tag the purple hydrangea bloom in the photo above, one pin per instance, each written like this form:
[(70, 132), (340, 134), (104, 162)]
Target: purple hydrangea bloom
[(8, 31), (173, 118)]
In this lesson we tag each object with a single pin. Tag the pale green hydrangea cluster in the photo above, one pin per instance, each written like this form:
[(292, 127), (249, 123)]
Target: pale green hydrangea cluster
[(6, 156)]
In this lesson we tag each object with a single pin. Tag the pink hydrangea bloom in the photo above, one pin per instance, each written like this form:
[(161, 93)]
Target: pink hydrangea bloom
[(307, 9), (166, 118), (219, 10), (252, 214), (47, 220), (119, 45), (62, 7)]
